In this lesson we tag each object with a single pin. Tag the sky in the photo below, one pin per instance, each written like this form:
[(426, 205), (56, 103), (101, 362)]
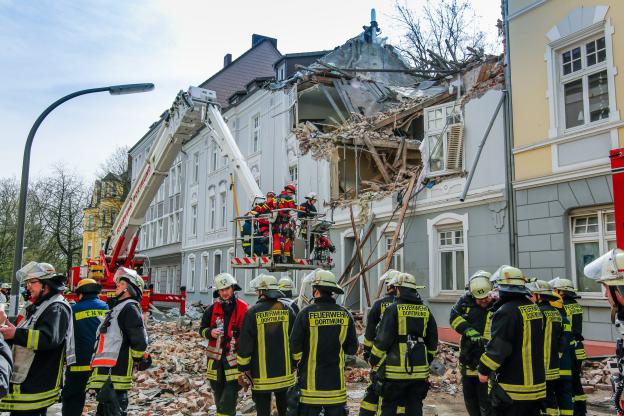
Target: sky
[(51, 48)]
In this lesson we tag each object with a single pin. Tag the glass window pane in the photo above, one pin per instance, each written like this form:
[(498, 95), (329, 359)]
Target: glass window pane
[(573, 97), (591, 59), (591, 47), (585, 253), (611, 244), (576, 59), (598, 96), (459, 237), (436, 153), (602, 55), (609, 222), (446, 270), (459, 269)]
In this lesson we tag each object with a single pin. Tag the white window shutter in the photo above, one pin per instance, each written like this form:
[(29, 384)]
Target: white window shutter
[(455, 146)]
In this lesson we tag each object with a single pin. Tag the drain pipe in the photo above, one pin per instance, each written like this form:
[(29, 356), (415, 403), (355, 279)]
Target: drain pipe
[(462, 198)]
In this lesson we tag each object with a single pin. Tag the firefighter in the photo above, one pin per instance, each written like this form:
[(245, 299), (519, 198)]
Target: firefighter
[(221, 325), (41, 341), (121, 339), (323, 333), (554, 340), (88, 313), (308, 212), (268, 206), (264, 349), (368, 405), (286, 286), (574, 312), (470, 317), (513, 361), (405, 344), (282, 245)]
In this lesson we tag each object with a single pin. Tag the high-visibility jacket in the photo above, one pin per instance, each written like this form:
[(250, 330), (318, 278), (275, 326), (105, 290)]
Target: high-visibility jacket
[(323, 333), (265, 208), (374, 317), (47, 339), (554, 340), (88, 314), (221, 351), (285, 202), (574, 312), (264, 347), (465, 315), (121, 339), (567, 354), (516, 351), (406, 341)]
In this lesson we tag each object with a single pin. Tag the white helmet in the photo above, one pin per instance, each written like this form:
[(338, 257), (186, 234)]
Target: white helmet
[(311, 195), (222, 281), (405, 280), (285, 283), (132, 277), (387, 276), (608, 268), (34, 270), (480, 285)]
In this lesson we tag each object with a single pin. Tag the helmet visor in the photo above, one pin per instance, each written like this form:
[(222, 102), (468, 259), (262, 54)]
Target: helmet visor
[(604, 268), (32, 270)]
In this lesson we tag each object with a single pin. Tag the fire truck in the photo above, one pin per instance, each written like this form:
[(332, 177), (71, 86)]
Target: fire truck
[(191, 112)]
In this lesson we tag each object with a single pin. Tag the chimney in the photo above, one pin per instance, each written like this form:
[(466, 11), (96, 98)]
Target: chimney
[(227, 59)]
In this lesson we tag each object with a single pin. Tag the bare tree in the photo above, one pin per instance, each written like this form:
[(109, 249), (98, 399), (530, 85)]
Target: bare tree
[(442, 37), (8, 218), (60, 200), (116, 163)]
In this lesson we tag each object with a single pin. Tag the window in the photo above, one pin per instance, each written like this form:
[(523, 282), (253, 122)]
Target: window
[(211, 212), (191, 274), (194, 219), (160, 232), (584, 82), (217, 263), (255, 133), (448, 258), (214, 156), (113, 214), (104, 216), (293, 173), (173, 180), (177, 226), (153, 232), (89, 250), (195, 167), (90, 223), (171, 230), (437, 122), (592, 234), (396, 262), (203, 283), (223, 208), (178, 187)]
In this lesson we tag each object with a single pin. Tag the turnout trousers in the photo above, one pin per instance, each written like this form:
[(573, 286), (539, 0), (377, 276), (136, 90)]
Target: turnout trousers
[(333, 410), (122, 397), (519, 408), (74, 392), (263, 402), (476, 396), (563, 390), (225, 394), (403, 393)]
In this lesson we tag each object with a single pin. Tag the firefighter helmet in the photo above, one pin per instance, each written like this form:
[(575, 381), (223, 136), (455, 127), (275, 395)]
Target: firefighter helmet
[(564, 285), (479, 284), (510, 279), (133, 279), (5, 286), (542, 287), (608, 268), (268, 285), (223, 281), (85, 286), (387, 276), (270, 194), (405, 280), (325, 279), (285, 283), (311, 195), (34, 270), (291, 187)]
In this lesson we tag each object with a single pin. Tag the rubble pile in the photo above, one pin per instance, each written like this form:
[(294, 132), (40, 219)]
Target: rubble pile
[(596, 375)]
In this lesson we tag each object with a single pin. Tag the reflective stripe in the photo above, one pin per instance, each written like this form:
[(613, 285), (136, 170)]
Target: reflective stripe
[(273, 383), (79, 368), (489, 363), (311, 370), (136, 353), (297, 356), (368, 343), (371, 407), (457, 321), (579, 398), (243, 360), (487, 330), (90, 313), (377, 352)]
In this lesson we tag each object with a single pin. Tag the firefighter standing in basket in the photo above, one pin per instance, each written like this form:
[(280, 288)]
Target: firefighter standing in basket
[(470, 317), (323, 333), (42, 342), (574, 312), (221, 325), (369, 404), (88, 312), (264, 349), (513, 361), (405, 344), (121, 340)]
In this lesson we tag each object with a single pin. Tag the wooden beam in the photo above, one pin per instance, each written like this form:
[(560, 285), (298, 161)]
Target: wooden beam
[(416, 108), (382, 144), (377, 159), (397, 231), (366, 233), (359, 254), (371, 265)]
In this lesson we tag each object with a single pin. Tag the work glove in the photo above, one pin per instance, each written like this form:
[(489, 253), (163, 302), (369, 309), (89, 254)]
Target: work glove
[(366, 354), (473, 335), (145, 362)]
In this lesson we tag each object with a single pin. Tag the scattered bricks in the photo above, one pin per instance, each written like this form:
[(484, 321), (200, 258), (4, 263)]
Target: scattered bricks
[(588, 389), (603, 386)]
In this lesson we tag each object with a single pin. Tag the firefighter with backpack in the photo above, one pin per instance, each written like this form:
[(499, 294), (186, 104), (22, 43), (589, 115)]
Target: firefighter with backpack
[(470, 317), (405, 344), (221, 325), (264, 349)]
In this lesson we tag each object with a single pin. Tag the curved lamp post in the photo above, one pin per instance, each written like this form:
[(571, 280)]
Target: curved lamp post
[(21, 213)]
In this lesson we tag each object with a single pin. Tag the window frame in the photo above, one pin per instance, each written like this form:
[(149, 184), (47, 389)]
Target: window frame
[(255, 133), (190, 279), (196, 167), (223, 209), (194, 219), (205, 269), (602, 237), (216, 265), (430, 133)]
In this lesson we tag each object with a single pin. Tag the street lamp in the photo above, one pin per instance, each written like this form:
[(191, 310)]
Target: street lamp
[(21, 213)]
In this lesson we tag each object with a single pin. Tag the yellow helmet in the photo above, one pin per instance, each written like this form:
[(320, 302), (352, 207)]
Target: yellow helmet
[(88, 286), (405, 280), (480, 285), (509, 275), (608, 268)]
